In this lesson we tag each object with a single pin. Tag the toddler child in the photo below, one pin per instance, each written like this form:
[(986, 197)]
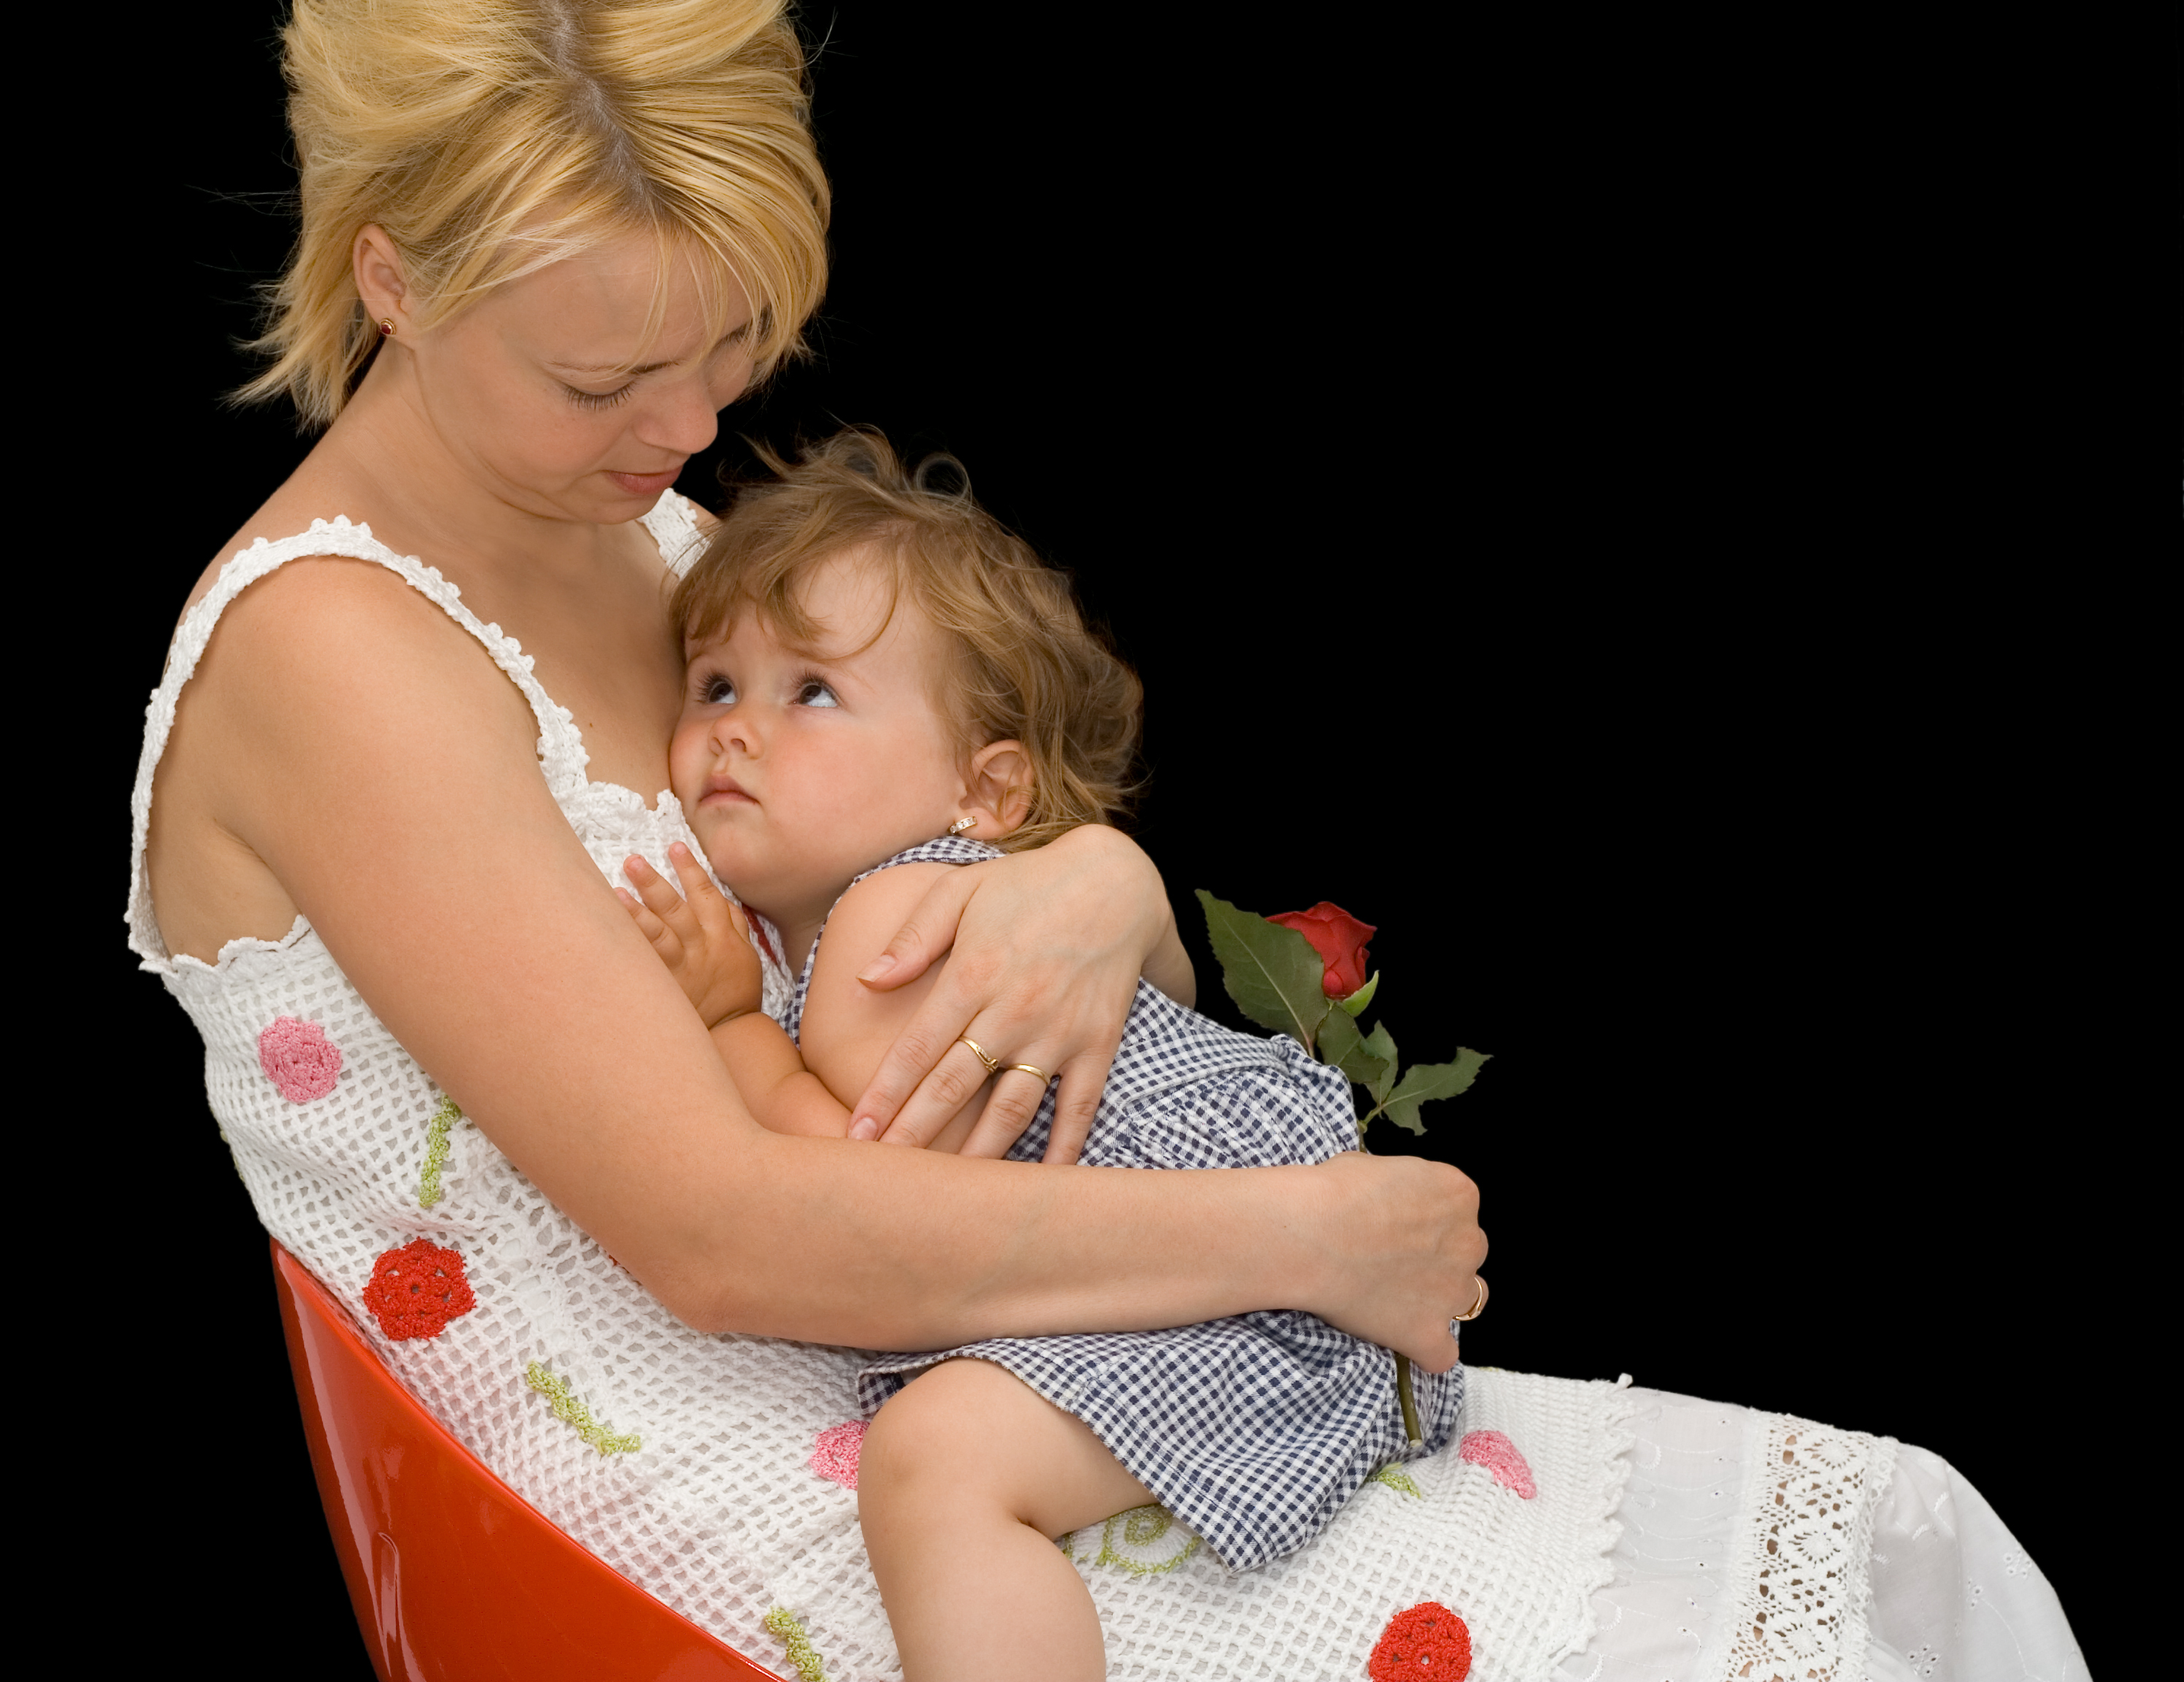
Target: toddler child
[(883, 685)]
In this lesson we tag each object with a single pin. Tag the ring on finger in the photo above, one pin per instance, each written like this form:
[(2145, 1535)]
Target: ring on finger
[(992, 1063), (1031, 1069), (1479, 1306)]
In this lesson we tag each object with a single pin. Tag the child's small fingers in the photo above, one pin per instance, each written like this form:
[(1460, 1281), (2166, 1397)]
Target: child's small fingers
[(697, 886), (658, 893)]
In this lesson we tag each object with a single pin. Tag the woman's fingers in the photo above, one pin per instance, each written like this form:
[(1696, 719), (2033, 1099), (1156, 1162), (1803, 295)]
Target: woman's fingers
[(1406, 1252), (952, 1083), (1010, 1106), (928, 935), (1082, 1083)]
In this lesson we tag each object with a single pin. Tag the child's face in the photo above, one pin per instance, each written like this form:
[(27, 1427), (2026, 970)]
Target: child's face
[(799, 768)]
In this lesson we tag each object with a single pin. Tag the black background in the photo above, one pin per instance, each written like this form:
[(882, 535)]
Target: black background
[(1532, 540)]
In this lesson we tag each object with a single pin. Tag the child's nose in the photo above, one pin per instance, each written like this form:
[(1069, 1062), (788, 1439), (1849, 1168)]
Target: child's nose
[(735, 732)]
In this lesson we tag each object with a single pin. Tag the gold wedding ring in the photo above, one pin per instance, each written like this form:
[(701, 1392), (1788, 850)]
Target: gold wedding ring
[(993, 1064), (1033, 1069), (1478, 1308)]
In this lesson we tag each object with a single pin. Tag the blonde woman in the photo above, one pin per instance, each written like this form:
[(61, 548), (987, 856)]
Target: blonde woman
[(414, 718)]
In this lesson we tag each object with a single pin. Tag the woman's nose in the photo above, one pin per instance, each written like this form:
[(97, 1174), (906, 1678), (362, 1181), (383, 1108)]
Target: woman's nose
[(683, 420)]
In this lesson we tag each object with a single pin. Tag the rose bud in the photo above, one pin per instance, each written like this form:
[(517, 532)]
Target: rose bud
[(1339, 938)]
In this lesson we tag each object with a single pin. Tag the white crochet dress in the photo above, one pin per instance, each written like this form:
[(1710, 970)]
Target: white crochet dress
[(694, 1464)]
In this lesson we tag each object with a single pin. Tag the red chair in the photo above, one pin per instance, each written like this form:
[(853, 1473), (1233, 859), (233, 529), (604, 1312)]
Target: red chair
[(454, 1577)]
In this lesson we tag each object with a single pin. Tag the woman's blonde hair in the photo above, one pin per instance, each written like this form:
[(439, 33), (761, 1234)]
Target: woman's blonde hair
[(1025, 666), (492, 137)]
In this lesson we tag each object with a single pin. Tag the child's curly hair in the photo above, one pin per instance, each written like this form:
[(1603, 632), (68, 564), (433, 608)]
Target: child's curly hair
[(1027, 667)]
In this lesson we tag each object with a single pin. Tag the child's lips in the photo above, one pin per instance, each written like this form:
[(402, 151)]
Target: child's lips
[(725, 791)]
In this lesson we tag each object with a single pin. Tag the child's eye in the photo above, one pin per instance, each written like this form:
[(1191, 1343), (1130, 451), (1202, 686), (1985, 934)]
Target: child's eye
[(717, 692), (814, 694)]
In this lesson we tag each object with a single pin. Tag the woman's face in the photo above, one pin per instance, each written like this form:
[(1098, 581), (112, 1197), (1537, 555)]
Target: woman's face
[(526, 390)]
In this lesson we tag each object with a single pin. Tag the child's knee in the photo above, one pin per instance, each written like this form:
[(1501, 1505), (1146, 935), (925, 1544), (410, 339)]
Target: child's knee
[(923, 1434)]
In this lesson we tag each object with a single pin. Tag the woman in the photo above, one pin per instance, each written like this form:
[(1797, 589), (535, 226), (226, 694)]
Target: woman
[(550, 345)]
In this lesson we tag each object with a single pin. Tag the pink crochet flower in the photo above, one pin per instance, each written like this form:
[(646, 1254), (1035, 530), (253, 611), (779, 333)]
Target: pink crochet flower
[(834, 1454), (299, 1059), (1499, 1456)]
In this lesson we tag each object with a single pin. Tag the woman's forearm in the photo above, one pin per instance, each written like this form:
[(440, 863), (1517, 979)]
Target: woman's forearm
[(906, 1250)]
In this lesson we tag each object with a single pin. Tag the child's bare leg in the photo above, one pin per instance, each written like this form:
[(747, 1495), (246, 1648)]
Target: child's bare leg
[(964, 1479)]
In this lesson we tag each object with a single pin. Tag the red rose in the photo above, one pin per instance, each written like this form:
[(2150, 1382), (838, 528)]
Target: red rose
[(415, 1291), (1339, 938), (1428, 1642)]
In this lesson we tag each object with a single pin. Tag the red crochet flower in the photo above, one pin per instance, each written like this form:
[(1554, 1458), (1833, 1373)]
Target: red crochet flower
[(1339, 938), (415, 1291), (1427, 1640), (298, 1059)]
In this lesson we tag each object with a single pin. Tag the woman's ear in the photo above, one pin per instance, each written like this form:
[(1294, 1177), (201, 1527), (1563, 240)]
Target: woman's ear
[(997, 788), (380, 281)]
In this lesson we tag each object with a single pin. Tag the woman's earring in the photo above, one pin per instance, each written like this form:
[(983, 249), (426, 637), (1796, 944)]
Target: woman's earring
[(386, 326), (962, 824)]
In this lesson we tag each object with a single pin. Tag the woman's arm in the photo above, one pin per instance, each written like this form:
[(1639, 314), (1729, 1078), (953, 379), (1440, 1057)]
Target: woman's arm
[(348, 735)]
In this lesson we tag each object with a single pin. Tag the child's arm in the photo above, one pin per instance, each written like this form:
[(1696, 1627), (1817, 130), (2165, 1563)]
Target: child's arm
[(705, 942), (706, 945), (849, 1027)]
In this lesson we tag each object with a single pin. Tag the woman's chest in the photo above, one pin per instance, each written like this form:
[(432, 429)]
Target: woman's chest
[(611, 661)]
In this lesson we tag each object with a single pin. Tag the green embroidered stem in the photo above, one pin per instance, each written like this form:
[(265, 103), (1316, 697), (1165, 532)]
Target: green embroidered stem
[(1395, 1478), (436, 1150), (1142, 1527), (1410, 1405), (783, 1622), (567, 1407)]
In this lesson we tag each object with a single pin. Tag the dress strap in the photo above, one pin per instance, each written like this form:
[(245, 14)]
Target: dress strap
[(673, 523), (561, 754)]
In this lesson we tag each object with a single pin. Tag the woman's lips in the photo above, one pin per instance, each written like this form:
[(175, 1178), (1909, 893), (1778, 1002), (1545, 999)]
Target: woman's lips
[(645, 484)]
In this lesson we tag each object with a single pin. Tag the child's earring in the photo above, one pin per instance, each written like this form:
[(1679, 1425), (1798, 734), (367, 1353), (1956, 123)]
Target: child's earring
[(962, 824)]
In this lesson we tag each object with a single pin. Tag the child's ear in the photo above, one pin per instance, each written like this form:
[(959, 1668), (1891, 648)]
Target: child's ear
[(997, 787)]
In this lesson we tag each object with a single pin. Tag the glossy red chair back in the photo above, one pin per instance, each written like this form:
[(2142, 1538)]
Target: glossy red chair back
[(454, 1577)]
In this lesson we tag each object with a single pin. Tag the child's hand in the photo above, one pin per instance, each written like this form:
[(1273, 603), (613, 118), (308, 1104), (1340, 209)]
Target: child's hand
[(703, 939)]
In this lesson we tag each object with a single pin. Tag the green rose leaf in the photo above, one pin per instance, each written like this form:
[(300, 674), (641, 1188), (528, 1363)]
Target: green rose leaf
[(1349, 1051), (1381, 1044), (1357, 1002), (1272, 972), (1421, 1083)]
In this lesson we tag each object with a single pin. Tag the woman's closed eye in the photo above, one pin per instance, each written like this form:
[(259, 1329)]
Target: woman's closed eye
[(598, 399)]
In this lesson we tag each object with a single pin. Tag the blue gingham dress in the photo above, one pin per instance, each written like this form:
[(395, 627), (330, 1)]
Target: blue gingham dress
[(1252, 1430)]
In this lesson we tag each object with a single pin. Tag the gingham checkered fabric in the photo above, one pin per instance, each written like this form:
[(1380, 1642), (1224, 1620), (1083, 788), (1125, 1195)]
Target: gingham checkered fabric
[(1252, 1430)]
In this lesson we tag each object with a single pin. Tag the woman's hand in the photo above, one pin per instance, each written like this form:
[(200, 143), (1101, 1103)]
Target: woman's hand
[(704, 941), (1047, 947), (1403, 1248)]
